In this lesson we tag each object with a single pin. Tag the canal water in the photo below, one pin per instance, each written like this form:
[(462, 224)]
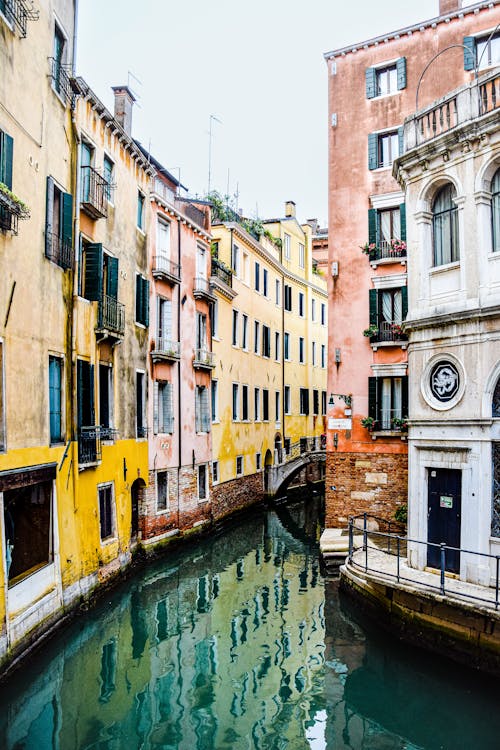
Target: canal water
[(236, 643)]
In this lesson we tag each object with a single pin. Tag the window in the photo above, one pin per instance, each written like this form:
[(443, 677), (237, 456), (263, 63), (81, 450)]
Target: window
[(495, 210), (55, 400), (323, 314), (323, 403), (214, 318), (313, 310), (202, 482), (286, 347), (302, 255), (383, 227), (140, 405), (106, 401), (387, 401), (140, 210), (8, 221), (287, 246), (386, 80), (278, 292), (201, 332), (141, 300), (235, 328), (383, 148), (266, 341), (301, 350), (313, 354), (315, 403), (323, 355), (264, 281), (256, 332), (288, 298), (301, 304), (58, 225), (87, 437), (288, 404), (481, 51), (258, 461), (265, 405), (215, 400), (304, 401), (388, 309), (244, 332), (276, 346), (257, 277), (277, 406), (106, 514), (99, 282), (163, 239), (163, 407), (236, 414), (202, 409), (2, 405), (244, 403), (239, 466), (256, 404), (60, 79), (161, 491), (108, 169), (445, 227), (215, 471), (235, 260)]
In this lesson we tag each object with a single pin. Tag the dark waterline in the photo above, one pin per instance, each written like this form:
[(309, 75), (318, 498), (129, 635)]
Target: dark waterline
[(240, 643)]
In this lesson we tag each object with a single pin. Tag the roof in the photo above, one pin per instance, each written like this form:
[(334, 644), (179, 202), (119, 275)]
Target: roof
[(408, 30), (159, 167)]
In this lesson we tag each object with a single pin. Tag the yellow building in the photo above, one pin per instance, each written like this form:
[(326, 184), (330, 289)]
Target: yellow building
[(269, 336)]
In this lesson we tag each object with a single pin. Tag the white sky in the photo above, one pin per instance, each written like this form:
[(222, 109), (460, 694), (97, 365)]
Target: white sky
[(258, 66)]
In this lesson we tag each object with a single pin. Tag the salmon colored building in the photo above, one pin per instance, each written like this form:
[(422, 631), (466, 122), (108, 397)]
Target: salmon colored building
[(372, 87)]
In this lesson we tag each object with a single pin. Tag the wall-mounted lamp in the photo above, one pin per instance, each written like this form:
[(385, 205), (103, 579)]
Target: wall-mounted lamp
[(330, 400), (338, 358), (335, 439)]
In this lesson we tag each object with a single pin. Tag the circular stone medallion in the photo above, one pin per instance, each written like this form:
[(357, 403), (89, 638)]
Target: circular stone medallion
[(444, 381)]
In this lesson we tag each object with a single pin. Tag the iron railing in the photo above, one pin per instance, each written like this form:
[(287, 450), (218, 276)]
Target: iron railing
[(166, 348), (95, 193), (376, 543), (8, 220), (390, 419), (108, 434), (222, 272), (18, 12), (388, 250), (163, 266), (389, 331), (204, 358), (142, 431), (89, 444), (111, 315), (303, 445), (61, 79), (58, 251), (202, 288)]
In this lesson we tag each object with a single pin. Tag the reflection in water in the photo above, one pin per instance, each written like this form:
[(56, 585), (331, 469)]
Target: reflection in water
[(239, 644)]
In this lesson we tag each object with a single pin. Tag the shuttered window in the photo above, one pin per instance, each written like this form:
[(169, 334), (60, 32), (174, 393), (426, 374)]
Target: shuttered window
[(388, 402), (163, 408), (202, 409), (58, 225), (6, 158), (383, 148), (469, 52), (386, 79), (141, 300), (55, 399)]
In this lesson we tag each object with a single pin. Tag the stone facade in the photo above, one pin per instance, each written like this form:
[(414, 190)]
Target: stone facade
[(237, 494), (374, 483)]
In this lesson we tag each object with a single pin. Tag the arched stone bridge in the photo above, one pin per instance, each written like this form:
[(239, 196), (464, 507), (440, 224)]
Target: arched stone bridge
[(300, 455)]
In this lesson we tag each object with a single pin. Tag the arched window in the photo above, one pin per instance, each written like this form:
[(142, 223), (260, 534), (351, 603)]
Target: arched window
[(495, 408), (445, 227), (495, 210)]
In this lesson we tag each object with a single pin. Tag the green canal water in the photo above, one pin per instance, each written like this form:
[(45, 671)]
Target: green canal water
[(236, 643)]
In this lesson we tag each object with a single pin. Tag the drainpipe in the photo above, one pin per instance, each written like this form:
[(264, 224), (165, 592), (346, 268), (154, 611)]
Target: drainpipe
[(73, 293), (179, 364), (282, 339)]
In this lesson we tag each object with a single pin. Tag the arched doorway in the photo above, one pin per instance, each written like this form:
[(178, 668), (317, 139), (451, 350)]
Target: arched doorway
[(268, 462), (136, 494), (278, 449)]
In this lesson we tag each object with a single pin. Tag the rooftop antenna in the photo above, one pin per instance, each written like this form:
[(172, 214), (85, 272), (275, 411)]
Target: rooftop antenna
[(135, 93), (211, 119)]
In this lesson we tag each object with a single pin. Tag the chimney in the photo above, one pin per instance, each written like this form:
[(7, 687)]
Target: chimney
[(449, 6), (124, 101), (290, 208), (313, 223)]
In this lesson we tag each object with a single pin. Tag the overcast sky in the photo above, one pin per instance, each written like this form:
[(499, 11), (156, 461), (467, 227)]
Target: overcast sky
[(258, 66)]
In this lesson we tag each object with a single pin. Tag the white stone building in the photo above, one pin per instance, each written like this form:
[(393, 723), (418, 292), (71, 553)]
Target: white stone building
[(451, 173)]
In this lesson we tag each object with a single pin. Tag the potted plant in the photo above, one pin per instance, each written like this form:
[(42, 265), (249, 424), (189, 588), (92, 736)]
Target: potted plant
[(368, 422), (400, 423), (371, 331), (397, 330), (369, 248)]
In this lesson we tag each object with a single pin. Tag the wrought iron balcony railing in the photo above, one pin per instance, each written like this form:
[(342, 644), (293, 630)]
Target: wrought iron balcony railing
[(387, 250), (58, 251), (204, 359), (389, 332), (61, 79), (95, 193), (18, 12), (166, 269), (111, 315), (108, 434), (142, 431), (202, 289), (11, 210), (165, 349), (89, 444), (222, 272), (389, 420), (8, 220)]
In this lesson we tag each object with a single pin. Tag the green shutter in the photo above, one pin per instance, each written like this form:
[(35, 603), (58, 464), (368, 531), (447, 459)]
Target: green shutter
[(49, 217), (91, 394), (79, 390), (372, 150), (401, 140), (372, 225), (67, 219), (402, 221), (145, 302), (112, 280), (373, 307), (404, 302), (371, 83), (6, 157), (372, 398), (469, 52), (404, 396), (401, 71), (93, 272), (138, 298)]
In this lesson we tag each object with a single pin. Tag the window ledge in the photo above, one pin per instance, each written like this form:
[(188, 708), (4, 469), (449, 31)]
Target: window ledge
[(445, 267), (385, 344), (389, 434), (494, 255), (388, 261)]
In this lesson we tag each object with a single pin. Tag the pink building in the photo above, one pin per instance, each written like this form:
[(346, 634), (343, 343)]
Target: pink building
[(180, 363), (372, 89)]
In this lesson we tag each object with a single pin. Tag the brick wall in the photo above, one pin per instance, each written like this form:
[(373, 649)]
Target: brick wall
[(237, 494), (375, 483)]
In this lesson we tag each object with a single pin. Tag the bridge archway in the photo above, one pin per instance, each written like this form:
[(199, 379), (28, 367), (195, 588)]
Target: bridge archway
[(280, 475)]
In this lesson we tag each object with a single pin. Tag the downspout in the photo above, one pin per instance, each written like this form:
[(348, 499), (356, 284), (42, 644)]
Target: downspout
[(73, 299), (282, 337), (179, 363)]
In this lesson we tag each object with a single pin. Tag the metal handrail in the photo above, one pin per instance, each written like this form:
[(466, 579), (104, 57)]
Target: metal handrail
[(398, 541), (162, 264)]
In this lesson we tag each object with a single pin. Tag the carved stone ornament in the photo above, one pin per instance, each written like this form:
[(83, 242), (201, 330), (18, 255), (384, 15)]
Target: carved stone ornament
[(444, 381)]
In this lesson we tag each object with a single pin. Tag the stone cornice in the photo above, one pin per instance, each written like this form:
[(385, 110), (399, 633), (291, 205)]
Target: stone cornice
[(450, 318)]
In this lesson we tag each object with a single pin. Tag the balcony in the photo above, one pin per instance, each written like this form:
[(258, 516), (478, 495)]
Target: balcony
[(111, 318), (387, 250), (11, 210), (58, 251), (165, 269), (222, 272), (18, 12), (202, 289), (108, 434), (389, 422), (89, 445), (61, 79), (388, 334), (95, 193), (203, 359), (166, 350)]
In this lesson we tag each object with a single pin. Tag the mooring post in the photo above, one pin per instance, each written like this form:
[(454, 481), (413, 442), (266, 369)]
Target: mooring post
[(443, 563)]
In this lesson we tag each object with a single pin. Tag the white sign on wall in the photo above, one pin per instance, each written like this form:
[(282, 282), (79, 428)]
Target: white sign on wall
[(339, 424)]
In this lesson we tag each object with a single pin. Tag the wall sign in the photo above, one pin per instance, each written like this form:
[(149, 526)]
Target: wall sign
[(339, 424), (445, 501), (444, 381)]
